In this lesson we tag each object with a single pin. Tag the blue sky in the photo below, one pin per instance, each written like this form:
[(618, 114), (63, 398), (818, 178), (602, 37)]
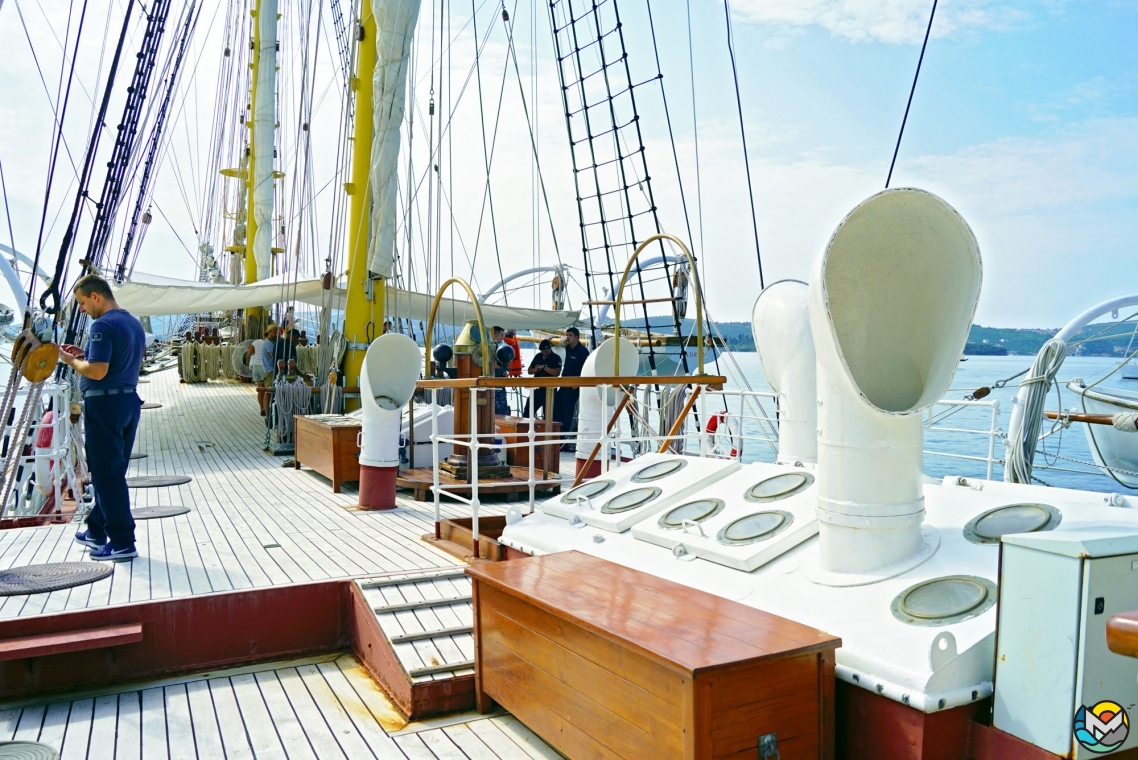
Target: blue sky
[(1025, 119)]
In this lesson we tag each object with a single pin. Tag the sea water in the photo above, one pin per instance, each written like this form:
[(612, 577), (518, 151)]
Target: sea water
[(1056, 451)]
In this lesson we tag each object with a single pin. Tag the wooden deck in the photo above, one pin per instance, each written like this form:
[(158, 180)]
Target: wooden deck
[(321, 708), (254, 524)]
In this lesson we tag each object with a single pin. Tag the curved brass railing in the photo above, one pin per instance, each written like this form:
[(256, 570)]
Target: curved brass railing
[(698, 296), (486, 368)]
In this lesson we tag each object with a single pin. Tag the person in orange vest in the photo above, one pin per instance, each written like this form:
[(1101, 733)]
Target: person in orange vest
[(515, 369)]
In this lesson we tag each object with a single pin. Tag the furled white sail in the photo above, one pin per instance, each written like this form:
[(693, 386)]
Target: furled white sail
[(151, 295), (395, 28), (264, 128)]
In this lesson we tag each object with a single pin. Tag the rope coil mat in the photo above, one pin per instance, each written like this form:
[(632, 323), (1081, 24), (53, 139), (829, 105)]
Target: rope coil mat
[(157, 481), (154, 513), (151, 405), (27, 751), (54, 576)]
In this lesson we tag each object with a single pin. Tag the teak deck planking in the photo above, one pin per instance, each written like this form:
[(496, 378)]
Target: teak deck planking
[(254, 523), (604, 661), (318, 708)]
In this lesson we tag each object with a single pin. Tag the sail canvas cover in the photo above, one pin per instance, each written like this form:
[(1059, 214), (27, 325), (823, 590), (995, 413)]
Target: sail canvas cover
[(264, 129), (395, 27), (147, 295)]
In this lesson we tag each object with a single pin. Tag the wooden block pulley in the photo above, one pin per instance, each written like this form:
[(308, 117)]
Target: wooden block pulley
[(35, 359)]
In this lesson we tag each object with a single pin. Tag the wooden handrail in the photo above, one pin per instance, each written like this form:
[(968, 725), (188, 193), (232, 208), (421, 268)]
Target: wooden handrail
[(597, 446), (1091, 419), (715, 382), (1122, 633)]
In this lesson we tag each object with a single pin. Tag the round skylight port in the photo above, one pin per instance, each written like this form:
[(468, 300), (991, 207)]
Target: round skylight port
[(637, 497), (779, 487), (755, 527), (988, 527), (943, 601), (694, 511), (587, 491), (659, 470)]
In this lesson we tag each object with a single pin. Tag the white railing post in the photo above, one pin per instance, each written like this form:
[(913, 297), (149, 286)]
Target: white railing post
[(472, 468), (435, 456), (993, 431), (604, 434), (531, 435)]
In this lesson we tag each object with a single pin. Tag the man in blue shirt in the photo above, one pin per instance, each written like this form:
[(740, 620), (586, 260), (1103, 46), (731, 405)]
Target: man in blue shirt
[(108, 370), (565, 404)]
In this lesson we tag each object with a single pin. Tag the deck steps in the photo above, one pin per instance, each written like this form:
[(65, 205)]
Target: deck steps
[(426, 620)]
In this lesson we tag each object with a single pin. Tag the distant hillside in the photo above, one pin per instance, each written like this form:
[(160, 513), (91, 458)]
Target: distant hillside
[(994, 341)]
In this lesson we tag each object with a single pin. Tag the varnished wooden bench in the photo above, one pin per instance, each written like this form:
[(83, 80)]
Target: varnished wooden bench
[(603, 661)]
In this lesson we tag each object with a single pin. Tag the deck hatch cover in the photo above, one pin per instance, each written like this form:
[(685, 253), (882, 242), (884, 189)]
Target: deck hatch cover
[(988, 527), (157, 481), (755, 527), (779, 487), (946, 600), (659, 470), (637, 497), (587, 490), (694, 511)]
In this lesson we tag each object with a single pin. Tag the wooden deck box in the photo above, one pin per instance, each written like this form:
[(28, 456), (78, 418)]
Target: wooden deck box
[(329, 446), (516, 430), (602, 661)]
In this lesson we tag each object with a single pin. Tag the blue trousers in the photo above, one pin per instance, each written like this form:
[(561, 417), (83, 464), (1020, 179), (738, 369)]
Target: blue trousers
[(111, 422)]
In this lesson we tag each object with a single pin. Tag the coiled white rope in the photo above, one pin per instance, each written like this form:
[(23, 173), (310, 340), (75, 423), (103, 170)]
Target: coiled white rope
[(291, 398), (1021, 449)]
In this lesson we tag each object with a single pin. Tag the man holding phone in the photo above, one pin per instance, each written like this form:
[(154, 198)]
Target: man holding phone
[(116, 345)]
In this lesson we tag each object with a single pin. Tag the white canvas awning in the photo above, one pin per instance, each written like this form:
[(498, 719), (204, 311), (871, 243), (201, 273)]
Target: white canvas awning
[(147, 295)]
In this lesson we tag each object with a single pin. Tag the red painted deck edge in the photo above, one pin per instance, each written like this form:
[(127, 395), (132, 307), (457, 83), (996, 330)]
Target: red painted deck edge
[(71, 641), (184, 635)]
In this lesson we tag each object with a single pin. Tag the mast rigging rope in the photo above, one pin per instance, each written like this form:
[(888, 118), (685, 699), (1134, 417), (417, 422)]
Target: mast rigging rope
[(912, 90)]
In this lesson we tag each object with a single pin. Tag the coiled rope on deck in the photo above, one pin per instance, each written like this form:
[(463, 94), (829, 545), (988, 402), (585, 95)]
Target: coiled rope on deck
[(1021, 448)]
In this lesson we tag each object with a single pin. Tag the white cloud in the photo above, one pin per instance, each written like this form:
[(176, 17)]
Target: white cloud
[(893, 22)]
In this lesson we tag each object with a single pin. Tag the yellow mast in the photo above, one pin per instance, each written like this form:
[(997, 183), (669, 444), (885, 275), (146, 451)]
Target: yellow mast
[(360, 312)]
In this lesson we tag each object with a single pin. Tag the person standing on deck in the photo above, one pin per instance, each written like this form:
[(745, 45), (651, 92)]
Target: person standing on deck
[(565, 407), (264, 358), (109, 370), (511, 339), (545, 364), (501, 404)]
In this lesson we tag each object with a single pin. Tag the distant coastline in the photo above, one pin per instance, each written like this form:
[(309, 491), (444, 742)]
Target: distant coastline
[(1101, 340)]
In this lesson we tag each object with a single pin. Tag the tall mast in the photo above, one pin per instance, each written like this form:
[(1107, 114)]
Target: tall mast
[(363, 301), (259, 214)]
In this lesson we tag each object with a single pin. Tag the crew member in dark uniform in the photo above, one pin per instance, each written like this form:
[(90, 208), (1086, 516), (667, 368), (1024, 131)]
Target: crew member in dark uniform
[(116, 345), (545, 364), (565, 405)]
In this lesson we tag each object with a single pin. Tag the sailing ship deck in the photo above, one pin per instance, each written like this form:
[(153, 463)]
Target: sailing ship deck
[(254, 523)]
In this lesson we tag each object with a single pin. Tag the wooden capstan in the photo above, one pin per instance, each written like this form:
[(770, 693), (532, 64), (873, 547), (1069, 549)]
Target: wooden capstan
[(469, 358)]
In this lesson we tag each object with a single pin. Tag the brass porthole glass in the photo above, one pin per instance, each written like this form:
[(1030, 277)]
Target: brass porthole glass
[(988, 527), (779, 487), (587, 491), (637, 497), (755, 527), (659, 470), (942, 601), (694, 511)]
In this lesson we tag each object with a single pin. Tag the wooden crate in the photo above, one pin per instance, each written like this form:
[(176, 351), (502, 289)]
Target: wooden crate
[(516, 430), (328, 448), (602, 661)]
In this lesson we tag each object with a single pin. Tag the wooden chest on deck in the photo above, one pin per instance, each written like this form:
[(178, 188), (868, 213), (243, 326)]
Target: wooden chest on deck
[(516, 430), (602, 661), (328, 444)]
